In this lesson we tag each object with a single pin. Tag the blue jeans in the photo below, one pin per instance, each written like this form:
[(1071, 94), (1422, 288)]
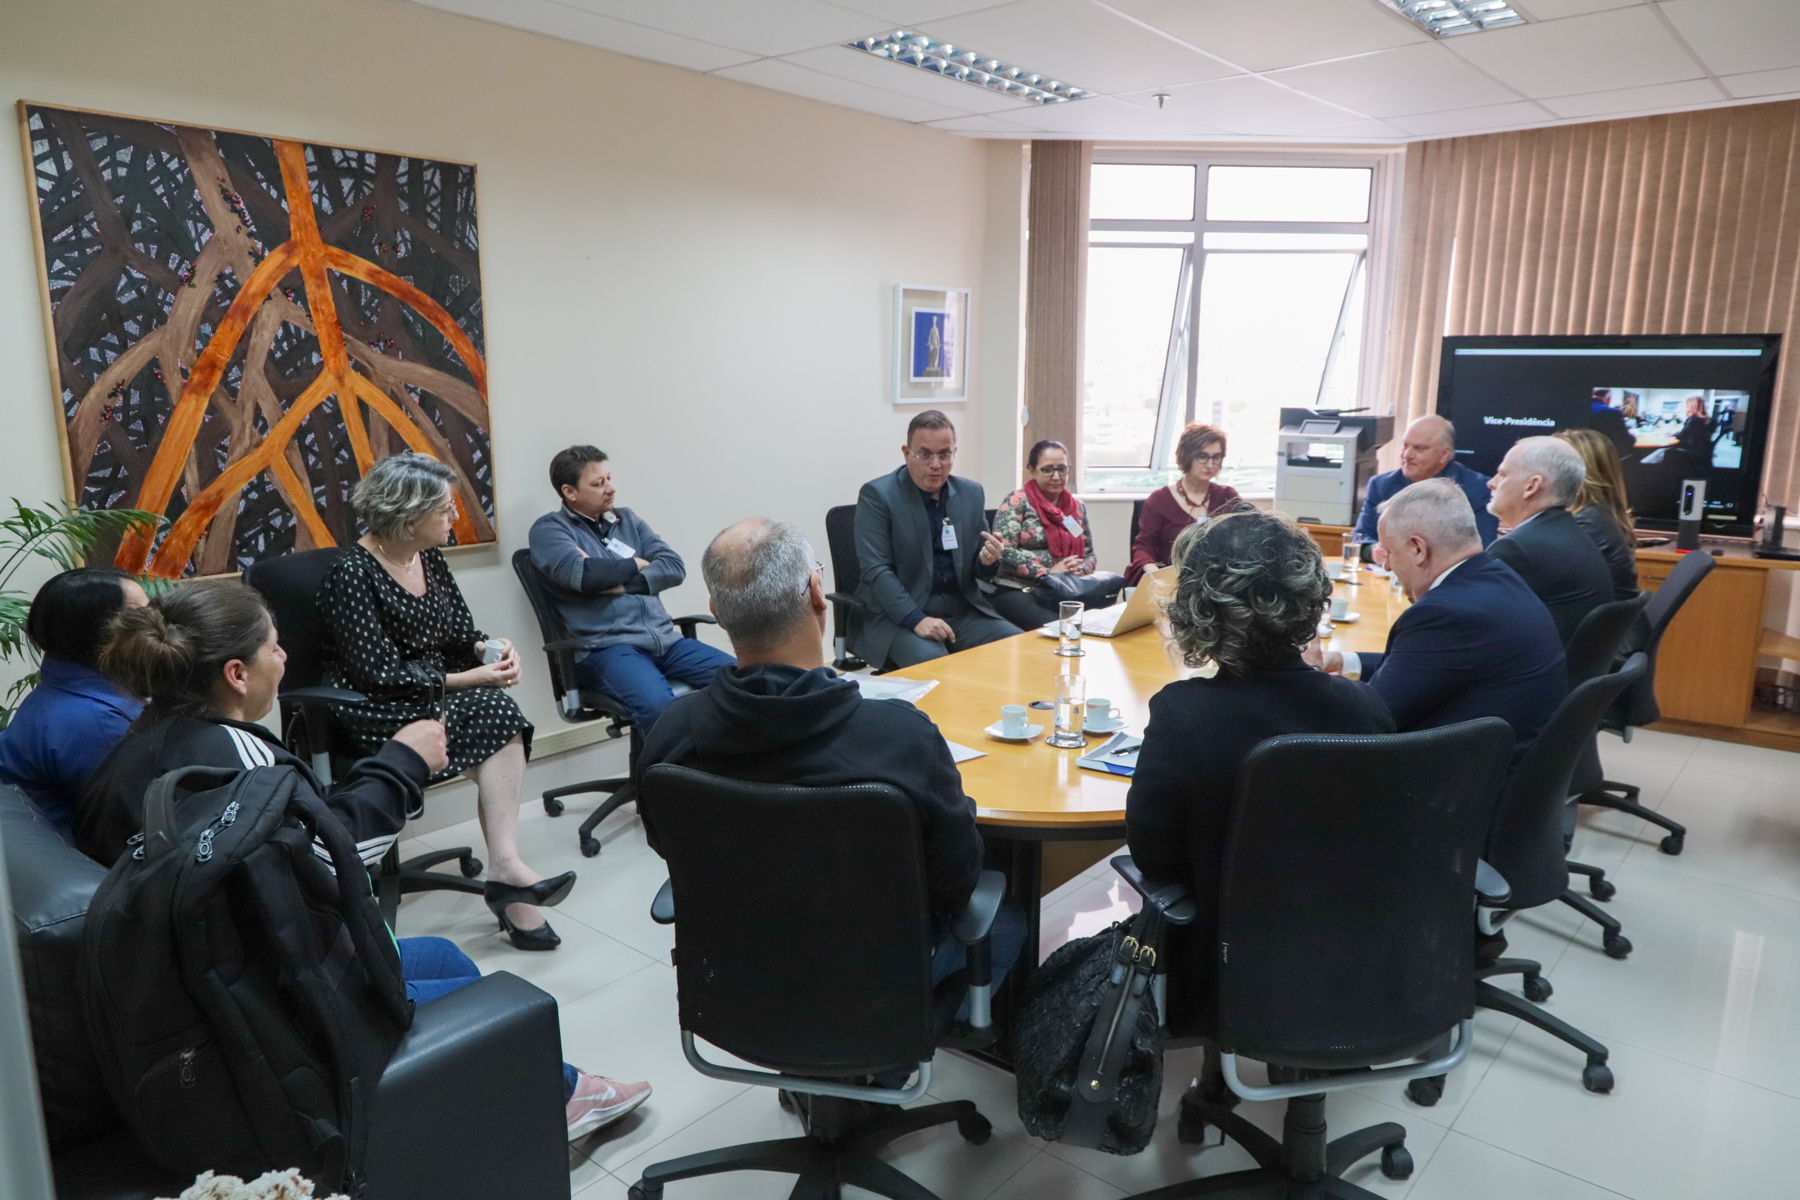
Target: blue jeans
[(433, 967), (1005, 940), (640, 680)]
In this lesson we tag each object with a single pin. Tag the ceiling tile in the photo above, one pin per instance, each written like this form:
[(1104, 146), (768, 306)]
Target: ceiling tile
[(1105, 117), (765, 27), (576, 25), (911, 12), (1245, 104), (1079, 43), (783, 76), (1763, 83), (1735, 36), (1263, 36), (1551, 10), (1361, 130), (1695, 93), (909, 81), (987, 126), (1628, 47), (1388, 83), (1474, 120)]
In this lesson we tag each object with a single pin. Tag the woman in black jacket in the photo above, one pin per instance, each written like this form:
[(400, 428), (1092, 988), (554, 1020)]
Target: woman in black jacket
[(1249, 597), (206, 656)]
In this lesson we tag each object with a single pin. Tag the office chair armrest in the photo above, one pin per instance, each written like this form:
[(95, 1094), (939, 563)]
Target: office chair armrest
[(686, 624), (662, 909), (1175, 901), (975, 919), (321, 695), (1491, 888), (847, 601)]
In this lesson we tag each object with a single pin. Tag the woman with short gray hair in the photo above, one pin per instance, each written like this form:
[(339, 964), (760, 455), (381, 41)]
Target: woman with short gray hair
[(401, 634), (1249, 595)]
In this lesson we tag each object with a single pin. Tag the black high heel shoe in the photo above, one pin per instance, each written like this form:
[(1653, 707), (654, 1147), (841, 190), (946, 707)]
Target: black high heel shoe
[(546, 893)]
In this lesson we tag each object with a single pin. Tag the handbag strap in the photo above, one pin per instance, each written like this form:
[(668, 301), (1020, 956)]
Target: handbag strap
[(1115, 1023)]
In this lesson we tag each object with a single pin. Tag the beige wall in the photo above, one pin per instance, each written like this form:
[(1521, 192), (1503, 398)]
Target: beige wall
[(695, 274)]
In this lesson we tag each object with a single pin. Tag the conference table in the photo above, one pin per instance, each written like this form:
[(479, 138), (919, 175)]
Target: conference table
[(1029, 794)]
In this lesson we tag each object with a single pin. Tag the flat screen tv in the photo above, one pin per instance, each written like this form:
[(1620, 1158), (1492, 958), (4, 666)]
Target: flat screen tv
[(1677, 407)]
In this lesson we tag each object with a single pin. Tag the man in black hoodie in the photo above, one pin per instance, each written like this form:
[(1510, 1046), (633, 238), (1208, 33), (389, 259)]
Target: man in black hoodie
[(782, 716)]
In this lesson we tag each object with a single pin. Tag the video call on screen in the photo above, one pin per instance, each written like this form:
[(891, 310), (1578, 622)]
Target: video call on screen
[(1674, 408)]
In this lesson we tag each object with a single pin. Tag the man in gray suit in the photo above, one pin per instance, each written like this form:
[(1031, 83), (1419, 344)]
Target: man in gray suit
[(922, 538)]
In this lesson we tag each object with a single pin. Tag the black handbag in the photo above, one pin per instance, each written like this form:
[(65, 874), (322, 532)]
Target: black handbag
[(1096, 590), (1088, 1053)]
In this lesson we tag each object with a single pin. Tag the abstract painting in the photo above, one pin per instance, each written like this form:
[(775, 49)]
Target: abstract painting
[(240, 326)]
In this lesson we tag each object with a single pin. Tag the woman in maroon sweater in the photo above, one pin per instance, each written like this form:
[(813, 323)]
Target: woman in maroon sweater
[(1194, 497)]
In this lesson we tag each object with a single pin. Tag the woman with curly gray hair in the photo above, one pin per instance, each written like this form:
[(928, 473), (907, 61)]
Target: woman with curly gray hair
[(1249, 596)]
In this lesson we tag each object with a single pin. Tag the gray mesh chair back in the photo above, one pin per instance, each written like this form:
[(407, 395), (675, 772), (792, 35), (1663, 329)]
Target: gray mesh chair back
[(1595, 646), (1638, 705)]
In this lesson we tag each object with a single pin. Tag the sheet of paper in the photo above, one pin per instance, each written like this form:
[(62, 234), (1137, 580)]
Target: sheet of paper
[(962, 753), (909, 690)]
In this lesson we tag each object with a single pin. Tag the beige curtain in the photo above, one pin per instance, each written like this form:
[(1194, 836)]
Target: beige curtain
[(1686, 223), (1056, 294)]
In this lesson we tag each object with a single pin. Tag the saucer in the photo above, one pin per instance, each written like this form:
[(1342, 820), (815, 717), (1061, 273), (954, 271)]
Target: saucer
[(1031, 731), (1110, 725), (1346, 619)]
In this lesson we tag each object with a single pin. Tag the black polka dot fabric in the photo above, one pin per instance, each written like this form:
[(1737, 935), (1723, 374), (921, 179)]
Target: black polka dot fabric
[(392, 646)]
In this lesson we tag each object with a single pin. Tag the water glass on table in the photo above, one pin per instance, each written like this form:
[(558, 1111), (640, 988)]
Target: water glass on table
[(1352, 558), (1068, 628), (1071, 712)]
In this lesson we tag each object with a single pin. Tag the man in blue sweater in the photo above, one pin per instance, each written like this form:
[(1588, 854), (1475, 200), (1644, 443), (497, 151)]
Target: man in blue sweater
[(1427, 451), (605, 567)]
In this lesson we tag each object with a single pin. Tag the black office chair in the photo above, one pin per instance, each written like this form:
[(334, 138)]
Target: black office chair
[(1137, 516), (579, 705), (846, 574), (1594, 649), (1637, 707), (289, 585), (1344, 939), (1525, 845), (803, 945)]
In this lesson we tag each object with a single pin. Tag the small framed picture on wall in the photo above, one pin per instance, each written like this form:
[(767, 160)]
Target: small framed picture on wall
[(931, 340)]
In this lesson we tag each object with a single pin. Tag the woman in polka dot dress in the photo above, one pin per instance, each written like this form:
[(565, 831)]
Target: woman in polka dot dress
[(403, 637)]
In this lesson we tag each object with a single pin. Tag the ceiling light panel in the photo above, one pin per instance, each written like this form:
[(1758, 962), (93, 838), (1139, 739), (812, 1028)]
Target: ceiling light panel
[(1448, 18), (970, 66)]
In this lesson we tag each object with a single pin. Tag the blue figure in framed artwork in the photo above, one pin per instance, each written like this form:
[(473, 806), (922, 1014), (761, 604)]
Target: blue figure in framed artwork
[(933, 345)]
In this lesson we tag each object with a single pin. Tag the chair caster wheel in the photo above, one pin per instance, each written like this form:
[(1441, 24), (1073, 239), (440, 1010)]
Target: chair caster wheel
[(638, 1191), (1426, 1091), (975, 1130), (553, 806), (1538, 989), (1597, 1077), (471, 867), (1673, 843), (1601, 889), (1396, 1162), (1616, 946), (784, 1098), (590, 847)]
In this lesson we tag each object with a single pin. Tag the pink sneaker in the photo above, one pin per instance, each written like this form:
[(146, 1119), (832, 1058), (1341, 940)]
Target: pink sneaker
[(599, 1101)]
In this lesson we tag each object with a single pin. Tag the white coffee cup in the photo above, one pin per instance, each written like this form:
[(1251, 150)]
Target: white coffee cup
[(1100, 710), (1014, 720), (1125, 596), (1340, 607)]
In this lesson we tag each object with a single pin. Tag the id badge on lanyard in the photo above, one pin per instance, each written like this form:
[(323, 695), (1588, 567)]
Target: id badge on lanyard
[(949, 535)]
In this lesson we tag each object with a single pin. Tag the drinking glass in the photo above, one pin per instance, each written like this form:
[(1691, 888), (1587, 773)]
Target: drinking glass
[(1352, 559), (1071, 711), (1068, 628)]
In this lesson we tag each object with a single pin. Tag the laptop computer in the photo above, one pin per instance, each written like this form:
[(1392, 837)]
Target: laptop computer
[(1134, 613)]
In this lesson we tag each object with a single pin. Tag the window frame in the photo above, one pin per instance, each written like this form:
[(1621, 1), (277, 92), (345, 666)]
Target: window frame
[(1375, 262)]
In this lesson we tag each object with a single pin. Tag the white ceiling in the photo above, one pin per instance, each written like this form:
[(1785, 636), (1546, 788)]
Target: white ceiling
[(1299, 70)]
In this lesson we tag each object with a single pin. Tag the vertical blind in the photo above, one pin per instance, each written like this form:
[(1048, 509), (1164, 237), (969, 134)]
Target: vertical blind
[(1685, 223), (1056, 294)]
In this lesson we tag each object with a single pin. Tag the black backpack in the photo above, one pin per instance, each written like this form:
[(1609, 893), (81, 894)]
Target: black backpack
[(242, 1005)]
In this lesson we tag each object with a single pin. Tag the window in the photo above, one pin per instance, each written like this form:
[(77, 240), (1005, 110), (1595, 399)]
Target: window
[(1220, 291)]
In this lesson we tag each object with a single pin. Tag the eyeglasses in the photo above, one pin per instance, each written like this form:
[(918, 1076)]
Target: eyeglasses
[(1217, 460), (1062, 470), (818, 569), (926, 457)]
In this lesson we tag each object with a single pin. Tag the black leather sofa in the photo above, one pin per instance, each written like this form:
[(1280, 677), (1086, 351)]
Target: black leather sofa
[(469, 1107)]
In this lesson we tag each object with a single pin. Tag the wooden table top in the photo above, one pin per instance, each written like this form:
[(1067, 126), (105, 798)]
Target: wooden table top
[(1033, 785)]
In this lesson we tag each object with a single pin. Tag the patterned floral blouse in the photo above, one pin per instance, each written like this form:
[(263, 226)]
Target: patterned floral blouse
[(1026, 555)]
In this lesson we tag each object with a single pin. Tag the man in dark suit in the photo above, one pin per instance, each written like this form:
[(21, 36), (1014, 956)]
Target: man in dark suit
[(1549, 549), (922, 539), (1427, 451), (1475, 643)]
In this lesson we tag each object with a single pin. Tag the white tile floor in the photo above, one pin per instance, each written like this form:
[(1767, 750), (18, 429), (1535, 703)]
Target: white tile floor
[(1703, 1019)]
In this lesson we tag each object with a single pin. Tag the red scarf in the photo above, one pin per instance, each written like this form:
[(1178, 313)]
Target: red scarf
[(1057, 538)]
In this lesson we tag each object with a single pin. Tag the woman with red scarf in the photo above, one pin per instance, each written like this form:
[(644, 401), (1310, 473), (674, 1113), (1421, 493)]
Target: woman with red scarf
[(1044, 531)]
